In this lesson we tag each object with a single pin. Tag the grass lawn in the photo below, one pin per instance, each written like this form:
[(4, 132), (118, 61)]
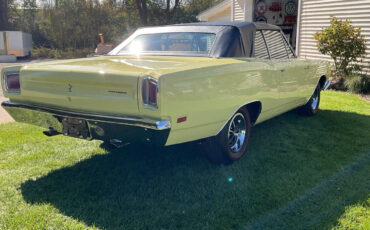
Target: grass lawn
[(299, 173)]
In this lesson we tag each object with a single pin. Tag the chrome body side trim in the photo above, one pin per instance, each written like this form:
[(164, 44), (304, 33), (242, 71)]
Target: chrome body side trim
[(36, 115)]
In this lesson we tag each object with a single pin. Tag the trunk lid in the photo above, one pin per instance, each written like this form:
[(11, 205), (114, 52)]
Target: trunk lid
[(108, 83)]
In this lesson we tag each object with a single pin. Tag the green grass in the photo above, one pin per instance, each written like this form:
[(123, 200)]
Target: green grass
[(300, 173)]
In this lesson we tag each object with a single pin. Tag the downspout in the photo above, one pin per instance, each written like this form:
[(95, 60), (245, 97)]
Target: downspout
[(232, 10), (248, 10), (298, 28), (245, 10)]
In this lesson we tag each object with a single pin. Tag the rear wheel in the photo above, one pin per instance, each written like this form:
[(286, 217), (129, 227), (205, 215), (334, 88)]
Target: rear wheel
[(312, 106), (231, 143)]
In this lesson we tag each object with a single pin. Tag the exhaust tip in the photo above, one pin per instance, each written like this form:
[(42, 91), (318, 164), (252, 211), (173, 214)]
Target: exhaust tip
[(117, 143)]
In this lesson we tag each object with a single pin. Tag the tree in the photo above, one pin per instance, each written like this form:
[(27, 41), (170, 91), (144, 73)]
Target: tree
[(170, 12), (143, 11), (343, 43), (4, 24)]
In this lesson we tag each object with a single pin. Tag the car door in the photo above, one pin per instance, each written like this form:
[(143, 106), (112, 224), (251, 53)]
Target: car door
[(289, 70), (268, 93), (298, 78)]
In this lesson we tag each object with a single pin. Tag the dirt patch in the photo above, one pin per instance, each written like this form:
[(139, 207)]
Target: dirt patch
[(366, 97), (4, 116)]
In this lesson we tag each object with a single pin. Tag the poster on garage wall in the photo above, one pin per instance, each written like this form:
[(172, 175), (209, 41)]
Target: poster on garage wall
[(282, 13)]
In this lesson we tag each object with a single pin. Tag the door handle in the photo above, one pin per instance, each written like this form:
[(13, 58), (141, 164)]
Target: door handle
[(282, 70), (307, 67)]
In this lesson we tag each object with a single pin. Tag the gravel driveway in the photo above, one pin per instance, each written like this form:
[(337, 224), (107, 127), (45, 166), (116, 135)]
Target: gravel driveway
[(4, 116)]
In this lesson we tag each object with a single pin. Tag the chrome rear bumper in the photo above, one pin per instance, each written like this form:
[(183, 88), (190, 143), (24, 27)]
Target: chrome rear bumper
[(99, 126)]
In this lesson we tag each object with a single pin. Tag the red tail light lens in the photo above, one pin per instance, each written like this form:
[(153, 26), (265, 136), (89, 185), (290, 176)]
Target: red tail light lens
[(12, 82), (149, 91)]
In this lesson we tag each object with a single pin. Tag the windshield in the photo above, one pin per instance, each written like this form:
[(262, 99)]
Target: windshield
[(174, 43)]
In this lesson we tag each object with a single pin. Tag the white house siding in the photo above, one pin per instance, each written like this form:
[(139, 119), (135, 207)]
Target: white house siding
[(238, 10), (242, 10), (315, 14)]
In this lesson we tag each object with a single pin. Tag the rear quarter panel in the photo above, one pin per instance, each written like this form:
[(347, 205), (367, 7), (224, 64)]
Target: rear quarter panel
[(208, 96)]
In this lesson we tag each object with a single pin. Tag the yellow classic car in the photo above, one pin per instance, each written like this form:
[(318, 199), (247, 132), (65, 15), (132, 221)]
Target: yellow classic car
[(167, 85)]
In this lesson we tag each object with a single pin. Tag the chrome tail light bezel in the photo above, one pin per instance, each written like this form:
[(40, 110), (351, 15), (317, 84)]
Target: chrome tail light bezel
[(147, 101), (6, 82)]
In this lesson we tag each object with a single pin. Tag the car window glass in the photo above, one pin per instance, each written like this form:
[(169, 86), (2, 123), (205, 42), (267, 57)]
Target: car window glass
[(260, 49), (275, 44), (171, 42), (290, 52)]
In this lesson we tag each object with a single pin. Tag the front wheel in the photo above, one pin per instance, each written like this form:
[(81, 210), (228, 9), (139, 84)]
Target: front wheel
[(231, 143), (312, 106)]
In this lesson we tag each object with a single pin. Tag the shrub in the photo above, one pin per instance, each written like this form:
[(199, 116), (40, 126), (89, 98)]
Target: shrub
[(344, 44), (358, 83), (43, 52)]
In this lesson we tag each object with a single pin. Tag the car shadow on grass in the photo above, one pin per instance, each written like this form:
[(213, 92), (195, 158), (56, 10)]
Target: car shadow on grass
[(299, 173)]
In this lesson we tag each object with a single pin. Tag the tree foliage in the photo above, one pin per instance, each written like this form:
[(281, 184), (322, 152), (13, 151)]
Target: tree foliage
[(75, 24), (343, 43)]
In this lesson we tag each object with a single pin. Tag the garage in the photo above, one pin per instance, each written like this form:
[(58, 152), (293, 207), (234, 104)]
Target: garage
[(299, 19)]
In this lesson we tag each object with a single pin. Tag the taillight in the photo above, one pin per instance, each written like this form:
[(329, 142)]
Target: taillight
[(149, 91), (11, 80)]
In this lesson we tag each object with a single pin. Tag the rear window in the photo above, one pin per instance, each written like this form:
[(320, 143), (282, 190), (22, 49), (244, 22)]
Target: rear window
[(275, 44), (289, 50), (191, 42), (260, 49)]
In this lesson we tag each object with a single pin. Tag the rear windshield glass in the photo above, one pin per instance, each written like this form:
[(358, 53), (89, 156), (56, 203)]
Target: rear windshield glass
[(181, 42)]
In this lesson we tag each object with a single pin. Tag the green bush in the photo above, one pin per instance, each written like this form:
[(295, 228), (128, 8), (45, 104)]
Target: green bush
[(358, 83), (43, 52), (344, 44)]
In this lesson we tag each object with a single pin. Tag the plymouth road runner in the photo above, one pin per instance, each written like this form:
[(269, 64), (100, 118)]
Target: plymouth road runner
[(207, 81)]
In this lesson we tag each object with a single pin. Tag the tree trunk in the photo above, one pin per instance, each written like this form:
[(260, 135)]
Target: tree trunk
[(168, 11), (4, 24), (175, 7), (143, 12)]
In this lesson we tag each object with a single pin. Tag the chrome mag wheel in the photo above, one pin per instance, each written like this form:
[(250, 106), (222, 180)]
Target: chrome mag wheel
[(315, 99), (231, 142), (312, 106), (237, 133)]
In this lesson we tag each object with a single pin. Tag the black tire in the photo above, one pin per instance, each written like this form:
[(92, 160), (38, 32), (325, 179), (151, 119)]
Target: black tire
[(231, 143), (312, 106)]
